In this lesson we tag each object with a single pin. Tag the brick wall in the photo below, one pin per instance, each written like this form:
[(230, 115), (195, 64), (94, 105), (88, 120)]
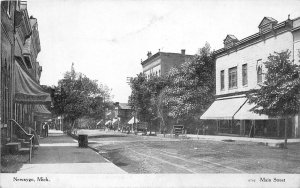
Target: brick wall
[(171, 60)]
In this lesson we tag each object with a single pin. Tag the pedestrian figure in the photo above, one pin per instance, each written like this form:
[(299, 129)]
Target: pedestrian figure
[(46, 130), (43, 130)]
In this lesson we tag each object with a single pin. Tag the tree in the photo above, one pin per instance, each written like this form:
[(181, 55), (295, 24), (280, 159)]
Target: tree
[(278, 95), (144, 96), (192, 86), (77, 96)]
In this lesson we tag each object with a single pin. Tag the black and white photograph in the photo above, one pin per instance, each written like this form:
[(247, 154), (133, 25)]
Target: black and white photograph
[(150, 93)]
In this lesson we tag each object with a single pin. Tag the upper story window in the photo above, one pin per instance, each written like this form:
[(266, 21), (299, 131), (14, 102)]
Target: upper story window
[(222, 79), (259, 75), (245, 74), (232, 77)]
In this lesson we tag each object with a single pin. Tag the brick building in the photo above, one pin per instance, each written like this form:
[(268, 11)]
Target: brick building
[(239, 68), (161, 62), (21, 95)]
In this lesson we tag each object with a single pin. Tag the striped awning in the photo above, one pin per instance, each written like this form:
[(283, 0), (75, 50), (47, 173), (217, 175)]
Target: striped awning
[(27, 90), (41, 110)]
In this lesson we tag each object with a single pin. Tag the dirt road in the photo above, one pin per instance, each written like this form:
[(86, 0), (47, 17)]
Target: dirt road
[(150, 154)]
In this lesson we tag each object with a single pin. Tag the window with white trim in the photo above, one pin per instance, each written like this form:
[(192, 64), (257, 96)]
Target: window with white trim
[(222, 79), (232, 77)]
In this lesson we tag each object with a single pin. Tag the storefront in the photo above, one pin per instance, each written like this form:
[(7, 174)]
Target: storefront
[(28, 100), (234, 117)]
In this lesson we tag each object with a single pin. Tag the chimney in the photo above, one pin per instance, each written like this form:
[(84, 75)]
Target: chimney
[(183, 51), (149, 54)]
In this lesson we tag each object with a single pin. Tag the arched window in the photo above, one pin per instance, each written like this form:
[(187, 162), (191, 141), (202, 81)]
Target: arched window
[(259, 75)]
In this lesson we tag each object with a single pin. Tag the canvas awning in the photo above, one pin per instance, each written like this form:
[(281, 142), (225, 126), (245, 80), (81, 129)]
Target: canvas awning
[(108, 122), (245, 113), (41, 113), (41, 110), (224, 108), (131, 121), (115, 121), (27, 90), (99, 122)]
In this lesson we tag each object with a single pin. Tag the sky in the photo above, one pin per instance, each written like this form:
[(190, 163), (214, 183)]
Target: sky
[(107, 39)]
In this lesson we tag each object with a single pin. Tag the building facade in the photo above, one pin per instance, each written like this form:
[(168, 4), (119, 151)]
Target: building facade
[(239, 68), (161, 62), (21, 93), (123, 113)]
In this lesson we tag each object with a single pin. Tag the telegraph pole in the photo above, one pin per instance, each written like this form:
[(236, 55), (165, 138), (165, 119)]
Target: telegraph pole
[(128, 79)]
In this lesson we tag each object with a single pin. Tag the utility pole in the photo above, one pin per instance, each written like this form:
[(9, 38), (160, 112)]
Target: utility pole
[(128, 80), (0, 83), (104, 110)]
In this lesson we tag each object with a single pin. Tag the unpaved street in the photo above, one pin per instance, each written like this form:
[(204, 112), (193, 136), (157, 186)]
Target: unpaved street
[(151, 154)]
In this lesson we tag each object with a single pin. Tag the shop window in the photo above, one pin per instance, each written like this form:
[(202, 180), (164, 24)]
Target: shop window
[(232, 76)]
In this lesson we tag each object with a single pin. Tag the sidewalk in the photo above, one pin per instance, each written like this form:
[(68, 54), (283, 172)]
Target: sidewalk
[(60, 153), (265, 141)]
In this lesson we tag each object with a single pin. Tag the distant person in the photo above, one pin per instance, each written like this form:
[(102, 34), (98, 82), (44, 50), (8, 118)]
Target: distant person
[(46, 129), (43, 129)]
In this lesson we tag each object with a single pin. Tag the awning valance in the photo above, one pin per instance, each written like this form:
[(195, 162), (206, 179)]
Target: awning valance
[(41, 110), (224, 108), (245, 113), (27, 90)]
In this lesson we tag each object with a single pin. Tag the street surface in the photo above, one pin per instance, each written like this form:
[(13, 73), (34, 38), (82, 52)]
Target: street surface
[(152, 154)]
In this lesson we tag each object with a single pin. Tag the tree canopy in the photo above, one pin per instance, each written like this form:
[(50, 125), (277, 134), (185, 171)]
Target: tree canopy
[(184, 93), (279, 93), (191, 87), (76, 96), (144, 94)]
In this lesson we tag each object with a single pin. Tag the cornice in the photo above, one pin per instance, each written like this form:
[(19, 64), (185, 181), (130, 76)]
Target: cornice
[(254, 39)]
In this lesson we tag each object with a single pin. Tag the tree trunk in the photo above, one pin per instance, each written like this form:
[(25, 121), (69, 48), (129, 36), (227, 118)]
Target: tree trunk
[(285, 132)]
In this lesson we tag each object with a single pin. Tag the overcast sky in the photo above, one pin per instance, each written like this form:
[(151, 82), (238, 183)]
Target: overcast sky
[(106, 39)]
